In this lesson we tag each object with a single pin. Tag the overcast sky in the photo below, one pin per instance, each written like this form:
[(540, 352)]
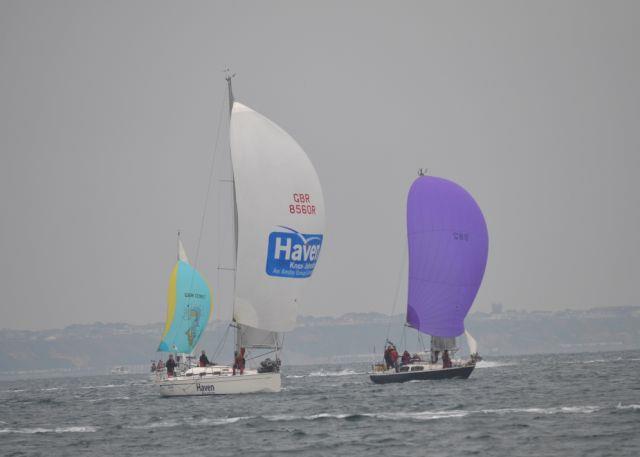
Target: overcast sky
[(108, 116)]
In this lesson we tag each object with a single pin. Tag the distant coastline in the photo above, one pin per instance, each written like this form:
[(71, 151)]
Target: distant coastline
[(353, 337)]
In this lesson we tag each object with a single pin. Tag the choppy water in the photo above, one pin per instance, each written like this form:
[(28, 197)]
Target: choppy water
[(586, 404)]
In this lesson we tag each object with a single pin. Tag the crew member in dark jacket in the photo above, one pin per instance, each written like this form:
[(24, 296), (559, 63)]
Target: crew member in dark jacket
[(171, 365), (446, 360), (204, 361)]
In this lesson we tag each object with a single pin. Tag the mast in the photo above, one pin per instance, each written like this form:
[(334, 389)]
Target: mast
[(237, 337)]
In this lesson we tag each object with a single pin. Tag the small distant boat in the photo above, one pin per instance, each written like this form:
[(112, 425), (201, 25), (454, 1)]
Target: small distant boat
[(119, 370), (448, 247), (277, 228)]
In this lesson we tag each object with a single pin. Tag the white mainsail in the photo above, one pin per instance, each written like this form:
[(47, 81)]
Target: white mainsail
[(471, 341), (182, 254), (280, 224)]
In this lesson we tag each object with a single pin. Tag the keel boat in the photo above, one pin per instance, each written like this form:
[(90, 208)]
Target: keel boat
[(277, 230), (448, 248)]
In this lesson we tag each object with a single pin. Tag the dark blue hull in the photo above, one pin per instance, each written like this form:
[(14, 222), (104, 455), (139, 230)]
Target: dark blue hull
[(445, 373)]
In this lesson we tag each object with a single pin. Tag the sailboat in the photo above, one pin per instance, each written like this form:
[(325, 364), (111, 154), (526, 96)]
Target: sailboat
[(448, 247), (278, 230)]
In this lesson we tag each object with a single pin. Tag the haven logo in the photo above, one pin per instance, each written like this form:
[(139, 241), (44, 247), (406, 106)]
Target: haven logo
[(292, 254)]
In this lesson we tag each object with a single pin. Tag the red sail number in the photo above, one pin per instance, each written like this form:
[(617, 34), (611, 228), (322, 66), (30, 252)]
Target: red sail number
[(302, 205)]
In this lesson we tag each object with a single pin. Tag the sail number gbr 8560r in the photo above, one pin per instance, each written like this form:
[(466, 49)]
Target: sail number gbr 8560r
[(302, 205)]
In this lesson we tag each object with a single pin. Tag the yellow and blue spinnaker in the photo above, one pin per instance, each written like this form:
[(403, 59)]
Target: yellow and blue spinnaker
[(189, 306)]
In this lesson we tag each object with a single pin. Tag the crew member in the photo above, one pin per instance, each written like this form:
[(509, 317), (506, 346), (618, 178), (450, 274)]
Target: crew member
[(204, 361), (171, 366), (238, 361), (394, 357), (446, 361), (406, 358)]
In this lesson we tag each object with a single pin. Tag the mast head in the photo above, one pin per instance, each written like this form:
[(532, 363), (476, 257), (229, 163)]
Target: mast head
[(228, 77)]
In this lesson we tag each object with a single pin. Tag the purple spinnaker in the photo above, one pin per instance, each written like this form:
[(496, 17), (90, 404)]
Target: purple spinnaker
[(448, 246)]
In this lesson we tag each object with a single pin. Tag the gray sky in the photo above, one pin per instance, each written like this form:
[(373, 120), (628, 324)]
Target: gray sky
[(108, 115)]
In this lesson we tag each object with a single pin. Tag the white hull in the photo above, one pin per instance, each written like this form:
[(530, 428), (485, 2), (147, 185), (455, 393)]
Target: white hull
[(219, 384)]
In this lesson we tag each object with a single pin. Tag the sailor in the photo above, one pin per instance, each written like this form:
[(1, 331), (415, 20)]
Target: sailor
[(160, 365), (204, 361), (394, 357), (242, 361), (153, 366), (387, 357), (446, 361), (406, 358), (171, 365), (238, 361)]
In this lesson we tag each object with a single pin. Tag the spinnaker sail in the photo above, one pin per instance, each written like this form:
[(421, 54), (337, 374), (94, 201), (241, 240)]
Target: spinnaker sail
[(448, 247), (280, 224), (189, 305)]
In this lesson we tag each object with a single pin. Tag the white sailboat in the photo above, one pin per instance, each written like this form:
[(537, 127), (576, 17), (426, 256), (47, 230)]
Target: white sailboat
[(278, 232)]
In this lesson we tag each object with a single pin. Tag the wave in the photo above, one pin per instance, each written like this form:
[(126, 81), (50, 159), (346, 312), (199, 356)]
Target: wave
[(51, 389), (492, 364), (420, 416), (158, 424), (553, 410), (106, 386), (423, 415), (204, 421), (345, 372), (389, 416), (294, 376), (222, 420), (434, 415), (29, 431), (632, 407)]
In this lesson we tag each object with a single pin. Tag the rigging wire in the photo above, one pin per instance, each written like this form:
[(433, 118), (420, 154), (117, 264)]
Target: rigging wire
[(395, 300), (211, 169), (208, 193)]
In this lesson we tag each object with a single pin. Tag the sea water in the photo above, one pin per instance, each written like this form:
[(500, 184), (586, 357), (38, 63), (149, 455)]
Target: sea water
[(565, 405)]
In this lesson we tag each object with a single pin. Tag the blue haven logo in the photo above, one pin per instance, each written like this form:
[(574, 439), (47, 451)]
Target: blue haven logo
[(292, 254)]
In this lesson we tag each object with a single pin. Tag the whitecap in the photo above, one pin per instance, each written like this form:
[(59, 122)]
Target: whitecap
[(282, 417), (420, 416), (160, 424), (107, 386), (326, 416), (52, 388), (29, 431), (552, 410), (633, 406), (294, 376), (345, 372), (492, 364), (222, 420)]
